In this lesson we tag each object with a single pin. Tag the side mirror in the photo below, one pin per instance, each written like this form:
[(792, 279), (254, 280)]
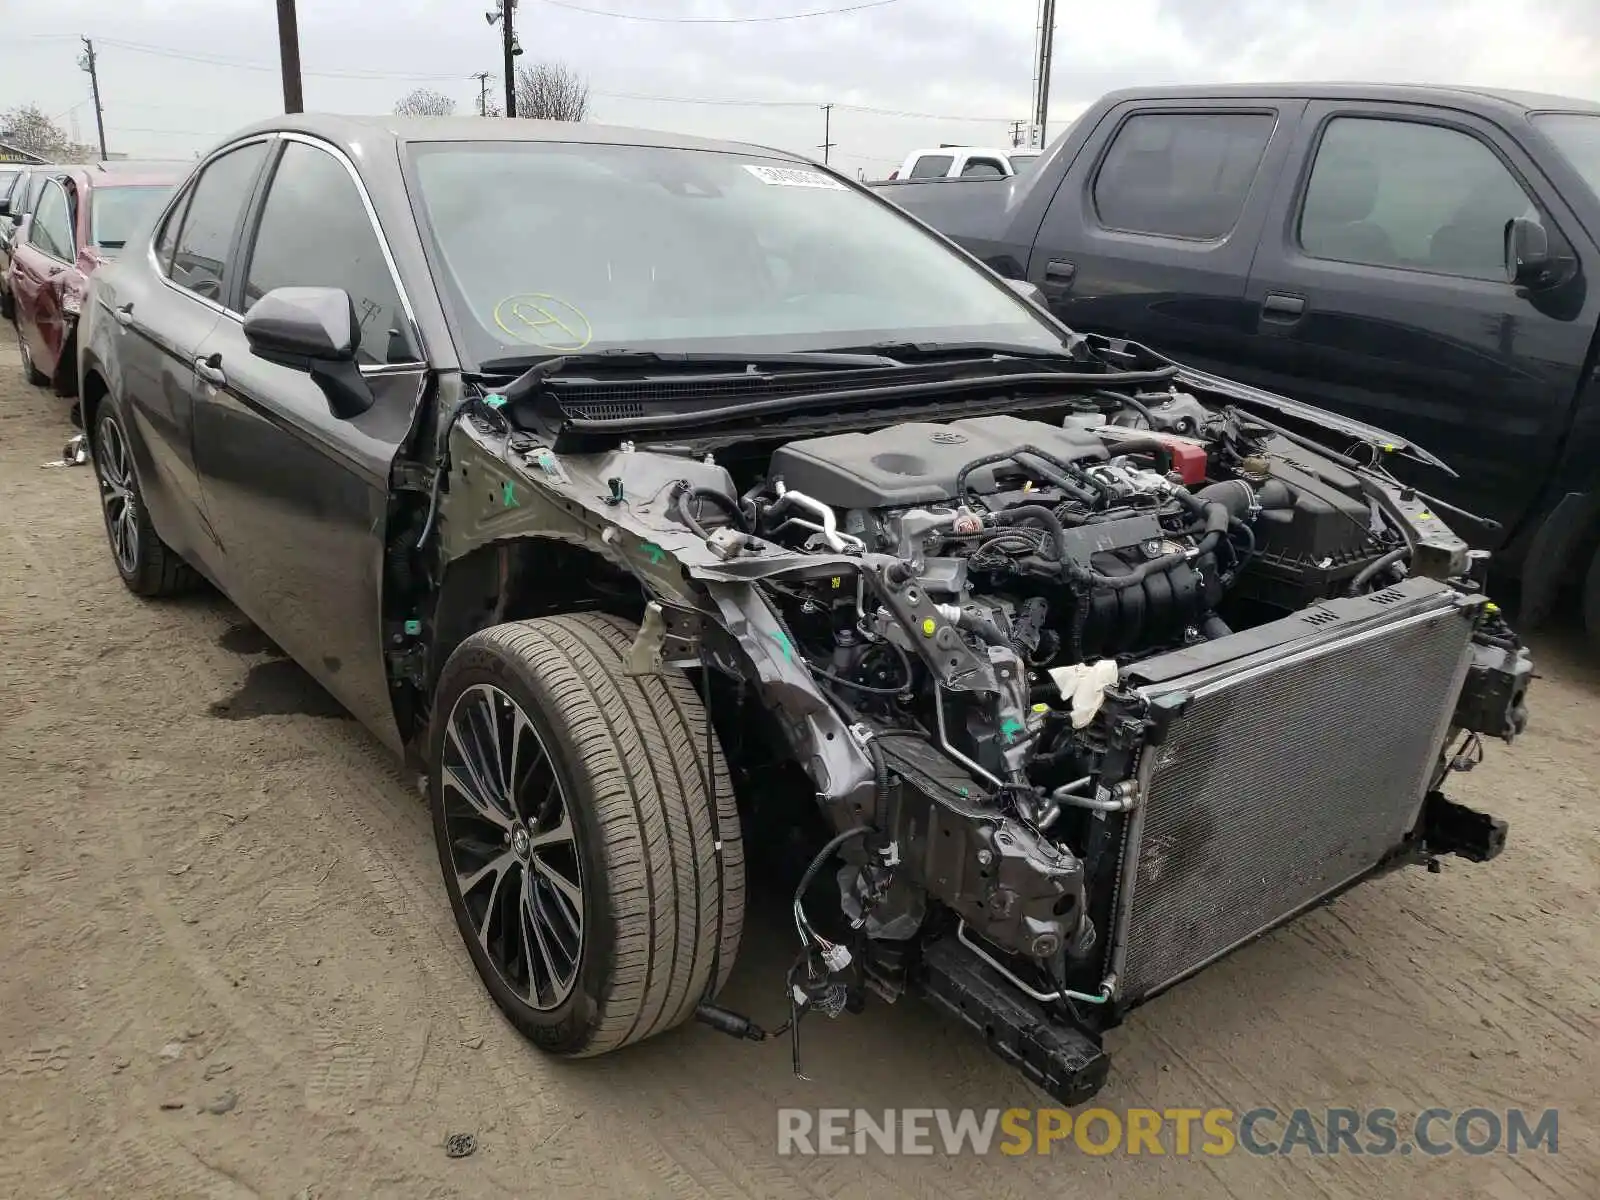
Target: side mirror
[(1031, 292), (315, 330), (1528, 259)]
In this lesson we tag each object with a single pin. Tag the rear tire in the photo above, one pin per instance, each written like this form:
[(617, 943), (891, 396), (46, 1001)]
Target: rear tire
[(147, 565), (601, 895)]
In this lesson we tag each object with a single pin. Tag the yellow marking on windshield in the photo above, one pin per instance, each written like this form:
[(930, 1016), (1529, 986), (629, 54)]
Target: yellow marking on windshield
[(543, 320)]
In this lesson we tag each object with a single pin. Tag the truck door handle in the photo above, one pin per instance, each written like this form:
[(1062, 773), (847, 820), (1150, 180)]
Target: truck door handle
[(1279, 307), (210, 369), (1058, 273), (123, 314)]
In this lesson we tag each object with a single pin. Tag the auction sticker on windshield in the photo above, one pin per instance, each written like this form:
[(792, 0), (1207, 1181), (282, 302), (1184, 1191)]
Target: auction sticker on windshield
[(794, 177)]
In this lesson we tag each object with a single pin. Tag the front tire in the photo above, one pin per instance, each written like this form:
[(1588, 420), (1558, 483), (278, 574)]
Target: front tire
[(147, 565), (597, 886)]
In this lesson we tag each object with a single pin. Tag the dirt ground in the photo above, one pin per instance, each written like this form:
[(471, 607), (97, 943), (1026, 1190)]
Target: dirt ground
[(217, 890)]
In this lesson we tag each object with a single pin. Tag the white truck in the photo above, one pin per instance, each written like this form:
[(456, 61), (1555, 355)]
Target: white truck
[(965, 162)]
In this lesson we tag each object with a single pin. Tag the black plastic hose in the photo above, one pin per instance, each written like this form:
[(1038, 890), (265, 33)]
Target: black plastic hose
[(1370, 572)]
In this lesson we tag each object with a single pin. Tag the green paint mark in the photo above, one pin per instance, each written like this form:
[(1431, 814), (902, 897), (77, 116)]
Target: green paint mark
[(1010, 728), (413, 628), (784, 644), (655, 552), (963, 792), (495, 401), (508, 494)]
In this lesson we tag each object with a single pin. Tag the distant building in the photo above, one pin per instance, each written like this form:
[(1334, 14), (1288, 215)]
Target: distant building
[(15, 154)]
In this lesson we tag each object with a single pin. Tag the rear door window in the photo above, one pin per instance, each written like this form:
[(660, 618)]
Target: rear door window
[(932, 166), (315, 232), (1181, 175), (983, 168), (51, 230), (1396, 193), (201, 257)]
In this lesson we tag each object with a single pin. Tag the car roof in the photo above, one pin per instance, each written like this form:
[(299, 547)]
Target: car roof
[(352, 133), (127, 174), (1458, 96)]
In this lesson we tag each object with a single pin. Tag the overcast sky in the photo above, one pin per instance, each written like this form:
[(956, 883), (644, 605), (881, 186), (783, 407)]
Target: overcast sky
[(966, 64)]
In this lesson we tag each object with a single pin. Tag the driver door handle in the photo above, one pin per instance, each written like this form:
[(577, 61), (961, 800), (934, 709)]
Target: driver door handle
[(210, 369), (124, 314)]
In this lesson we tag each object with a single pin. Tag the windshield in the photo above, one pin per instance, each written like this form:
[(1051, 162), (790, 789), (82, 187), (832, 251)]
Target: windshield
[(553, 247), (1577, 136), (116, 212)]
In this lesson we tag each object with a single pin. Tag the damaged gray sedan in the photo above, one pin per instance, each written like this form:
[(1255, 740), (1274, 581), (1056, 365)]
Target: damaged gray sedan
[(669, 501)]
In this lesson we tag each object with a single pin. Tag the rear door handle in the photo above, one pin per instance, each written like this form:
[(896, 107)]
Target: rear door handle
[(1059, 274), (124, 314), (210, 369), (1277, 306)]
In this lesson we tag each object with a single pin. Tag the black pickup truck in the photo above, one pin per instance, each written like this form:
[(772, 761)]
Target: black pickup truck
[(1415, 257)]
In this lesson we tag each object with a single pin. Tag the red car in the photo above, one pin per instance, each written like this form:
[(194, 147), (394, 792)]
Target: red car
[(83, 217)]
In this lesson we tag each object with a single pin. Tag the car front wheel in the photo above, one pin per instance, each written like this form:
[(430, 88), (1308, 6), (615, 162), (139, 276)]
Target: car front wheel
[(587, 832)]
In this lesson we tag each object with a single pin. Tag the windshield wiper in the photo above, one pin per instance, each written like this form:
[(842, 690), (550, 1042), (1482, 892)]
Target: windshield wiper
[(551, 364), (922, 351), (105, 245)]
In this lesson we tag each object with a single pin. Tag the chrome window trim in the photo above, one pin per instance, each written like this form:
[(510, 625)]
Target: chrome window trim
[(383, 243), (186, 189)]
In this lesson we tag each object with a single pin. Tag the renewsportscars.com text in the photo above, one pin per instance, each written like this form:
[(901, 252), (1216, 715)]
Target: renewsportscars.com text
[(1167, 1131)]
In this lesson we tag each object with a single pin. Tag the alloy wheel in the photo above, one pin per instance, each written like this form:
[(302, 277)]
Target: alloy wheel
[(114, 468), (512, 846)]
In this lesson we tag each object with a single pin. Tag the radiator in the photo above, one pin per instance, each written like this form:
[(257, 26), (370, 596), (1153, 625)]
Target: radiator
[(1299, 761)]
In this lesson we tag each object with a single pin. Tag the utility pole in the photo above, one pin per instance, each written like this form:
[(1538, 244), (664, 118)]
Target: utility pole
[(88, 64), (508, 41), (1016, 133), (483, 78), (1041, 94), (827, 132), (289, 57)]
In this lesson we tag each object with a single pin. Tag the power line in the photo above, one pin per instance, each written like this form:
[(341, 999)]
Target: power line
[(425, 77), (801, 16), (241, 65)]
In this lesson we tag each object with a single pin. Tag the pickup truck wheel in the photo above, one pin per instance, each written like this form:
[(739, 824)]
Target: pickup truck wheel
[(148, 566), (598, 886), (32, 373)]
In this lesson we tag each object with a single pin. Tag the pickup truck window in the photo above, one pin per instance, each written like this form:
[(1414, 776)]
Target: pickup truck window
[(1181, 175), (1576, 135), (932, 166), (982, 168), (1393, 193)]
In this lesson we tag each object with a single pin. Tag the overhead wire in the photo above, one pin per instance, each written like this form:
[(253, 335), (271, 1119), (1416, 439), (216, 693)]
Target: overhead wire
[(663, 20)]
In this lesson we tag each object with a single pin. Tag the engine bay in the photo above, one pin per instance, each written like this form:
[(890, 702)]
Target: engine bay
[(1037, 677)]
